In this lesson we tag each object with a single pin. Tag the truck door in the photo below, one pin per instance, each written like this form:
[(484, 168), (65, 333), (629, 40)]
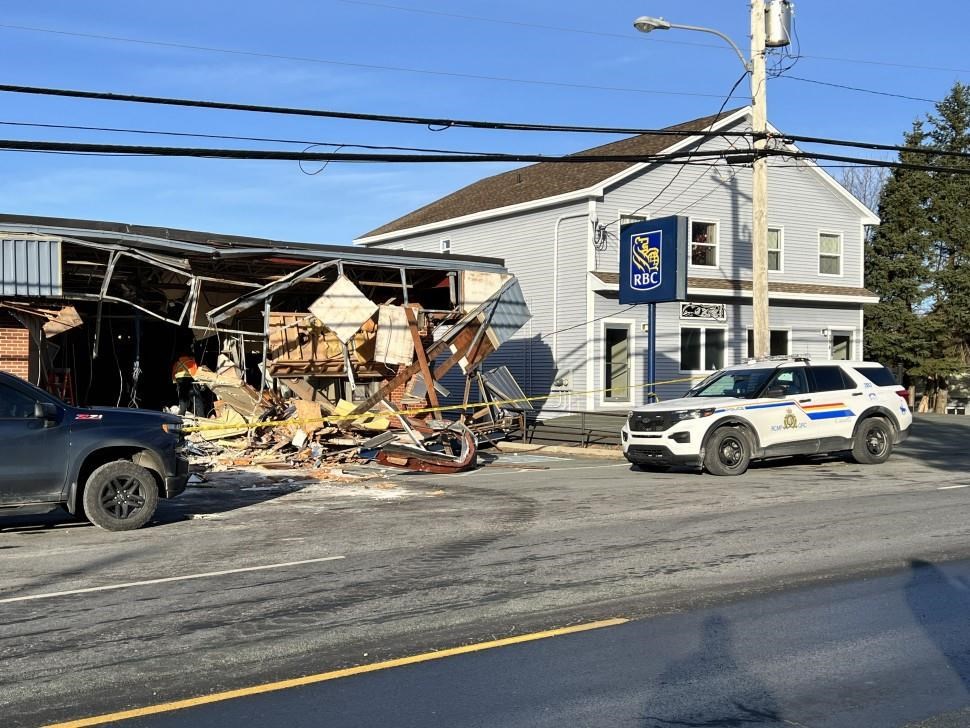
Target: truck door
[(34, 459), (779, 418)]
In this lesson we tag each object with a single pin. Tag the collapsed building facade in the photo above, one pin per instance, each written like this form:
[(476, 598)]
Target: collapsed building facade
[(97, 312)]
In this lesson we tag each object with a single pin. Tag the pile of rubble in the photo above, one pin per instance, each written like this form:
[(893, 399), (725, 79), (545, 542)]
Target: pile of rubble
[(254, 428)]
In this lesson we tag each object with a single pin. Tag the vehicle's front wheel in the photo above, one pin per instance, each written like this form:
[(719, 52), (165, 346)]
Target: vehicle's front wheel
[(120, 496), (873, 442), (728, 452)]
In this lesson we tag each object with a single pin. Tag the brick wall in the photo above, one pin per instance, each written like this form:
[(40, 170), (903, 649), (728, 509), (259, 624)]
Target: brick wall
[(14, 349)]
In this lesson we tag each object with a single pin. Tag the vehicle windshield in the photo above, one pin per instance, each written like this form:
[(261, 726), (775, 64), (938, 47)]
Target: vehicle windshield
[(742, 383)]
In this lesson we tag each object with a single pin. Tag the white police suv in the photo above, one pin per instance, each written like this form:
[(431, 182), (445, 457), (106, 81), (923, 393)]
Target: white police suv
[(771, 408)]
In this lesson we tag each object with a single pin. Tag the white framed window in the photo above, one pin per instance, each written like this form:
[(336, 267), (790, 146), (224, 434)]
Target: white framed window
[(444, 245), (702, 348), (617, 360), (775, 247), (703, 244), (779, 342), (829, 254)]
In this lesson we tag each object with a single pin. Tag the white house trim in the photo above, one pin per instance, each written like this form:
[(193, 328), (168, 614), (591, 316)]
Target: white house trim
[(595, 284), (594, 192)]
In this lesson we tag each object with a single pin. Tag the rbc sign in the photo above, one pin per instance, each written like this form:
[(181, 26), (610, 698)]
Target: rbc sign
[(653, 261)]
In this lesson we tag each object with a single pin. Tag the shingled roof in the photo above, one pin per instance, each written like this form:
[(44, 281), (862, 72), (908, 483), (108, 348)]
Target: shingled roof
[(545, 179)]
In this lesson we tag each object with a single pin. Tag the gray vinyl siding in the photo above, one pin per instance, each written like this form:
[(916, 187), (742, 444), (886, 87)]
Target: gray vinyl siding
[(526, 243), (805, 321), (800, 203)]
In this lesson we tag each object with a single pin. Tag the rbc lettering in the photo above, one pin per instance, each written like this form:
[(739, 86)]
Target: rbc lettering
[(646, 279)]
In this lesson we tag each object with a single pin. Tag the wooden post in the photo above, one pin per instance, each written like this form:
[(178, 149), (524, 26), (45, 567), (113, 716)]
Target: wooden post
[(422, 357)]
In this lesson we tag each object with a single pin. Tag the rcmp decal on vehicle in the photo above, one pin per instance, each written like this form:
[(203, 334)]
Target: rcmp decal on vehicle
[(82, 416), (790, 422)]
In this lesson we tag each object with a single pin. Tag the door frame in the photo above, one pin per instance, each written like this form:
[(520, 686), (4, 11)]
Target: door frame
[(618, 323)]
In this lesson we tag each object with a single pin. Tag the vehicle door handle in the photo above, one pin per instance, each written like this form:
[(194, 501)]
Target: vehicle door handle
[(857, 394), (803, 401)]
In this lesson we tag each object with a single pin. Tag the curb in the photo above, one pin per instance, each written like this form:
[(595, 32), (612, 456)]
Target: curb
[(590, 452)]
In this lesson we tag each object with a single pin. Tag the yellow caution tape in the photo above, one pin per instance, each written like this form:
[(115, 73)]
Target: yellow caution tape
[(364, 416)]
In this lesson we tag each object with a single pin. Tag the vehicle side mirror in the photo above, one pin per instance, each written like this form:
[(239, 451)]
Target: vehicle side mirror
[(777, 392), (45, 411)]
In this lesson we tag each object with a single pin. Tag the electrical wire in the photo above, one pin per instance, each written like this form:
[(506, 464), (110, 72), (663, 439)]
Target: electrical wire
[(327, 114), (364, 66), (522, 24), (861, 90), (589, 321), (673, 179), (283, 155), (228, 137), (539, 26)]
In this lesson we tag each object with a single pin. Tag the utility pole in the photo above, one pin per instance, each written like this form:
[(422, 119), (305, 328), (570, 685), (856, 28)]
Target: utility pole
[(759, 190)]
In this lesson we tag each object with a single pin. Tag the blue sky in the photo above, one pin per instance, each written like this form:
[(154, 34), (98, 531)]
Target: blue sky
[(276, 199)]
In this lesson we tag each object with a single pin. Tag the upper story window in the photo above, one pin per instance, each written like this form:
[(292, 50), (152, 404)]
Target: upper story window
[(445, 245), (774, 249), (830, 254), (703, 243)]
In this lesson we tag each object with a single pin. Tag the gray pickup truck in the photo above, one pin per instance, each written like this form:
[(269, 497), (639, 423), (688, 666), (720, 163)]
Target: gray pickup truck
[(109, 465)]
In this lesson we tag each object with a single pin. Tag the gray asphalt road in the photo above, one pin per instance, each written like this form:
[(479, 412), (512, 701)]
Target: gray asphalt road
[(430, 562), (871, 654)]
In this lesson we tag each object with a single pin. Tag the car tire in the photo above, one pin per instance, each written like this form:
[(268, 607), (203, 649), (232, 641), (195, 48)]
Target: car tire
[(873, 442), (120, 496), (728, 452)]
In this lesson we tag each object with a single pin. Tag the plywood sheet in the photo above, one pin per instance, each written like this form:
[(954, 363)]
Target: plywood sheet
[(394, 344), (343, 308)]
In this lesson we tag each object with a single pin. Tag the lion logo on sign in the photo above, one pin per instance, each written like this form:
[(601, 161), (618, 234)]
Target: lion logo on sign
[(645, 259)]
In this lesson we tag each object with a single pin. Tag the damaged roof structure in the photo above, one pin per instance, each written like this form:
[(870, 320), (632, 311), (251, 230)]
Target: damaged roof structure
[(109, 307)]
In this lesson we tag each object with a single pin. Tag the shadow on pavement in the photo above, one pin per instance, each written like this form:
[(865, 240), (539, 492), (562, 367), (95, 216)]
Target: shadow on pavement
[(940, 441), (714, 690), (941, 607), (197, 502)]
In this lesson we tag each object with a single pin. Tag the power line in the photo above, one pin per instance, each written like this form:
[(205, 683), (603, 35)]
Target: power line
[(283, 155), (414, 120), (677, 174), (632, 37), (352, 64), (729, 156), (860, 90), (523, 24), (231, 137), (322, 113), (891, 64)]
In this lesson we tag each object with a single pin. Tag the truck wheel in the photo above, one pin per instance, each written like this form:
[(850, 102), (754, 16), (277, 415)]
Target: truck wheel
[(120, 496), (728, 452), (873, 442)]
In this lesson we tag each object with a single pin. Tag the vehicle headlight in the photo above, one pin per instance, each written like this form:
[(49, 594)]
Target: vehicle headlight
[(693, 414), (174, 428)]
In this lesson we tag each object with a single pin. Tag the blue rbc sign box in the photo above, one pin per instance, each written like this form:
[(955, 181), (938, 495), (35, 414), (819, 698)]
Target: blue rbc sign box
[(653, 260)]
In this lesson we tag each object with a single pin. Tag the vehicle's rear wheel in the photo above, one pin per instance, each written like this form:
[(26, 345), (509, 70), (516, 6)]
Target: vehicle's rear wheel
[(728, 452), (120, 496), (873, 442)]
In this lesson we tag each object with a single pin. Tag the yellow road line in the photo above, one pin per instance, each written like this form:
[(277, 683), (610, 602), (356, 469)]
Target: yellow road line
[(332, 675)]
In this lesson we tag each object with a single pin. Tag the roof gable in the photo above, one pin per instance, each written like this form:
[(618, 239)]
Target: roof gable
[(544, 179)]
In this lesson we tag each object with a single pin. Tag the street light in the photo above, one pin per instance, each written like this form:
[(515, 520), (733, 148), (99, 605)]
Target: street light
[(755, 67), (645, 24)]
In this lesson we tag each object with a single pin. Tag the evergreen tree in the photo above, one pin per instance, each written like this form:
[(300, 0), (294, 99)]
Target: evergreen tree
[(895, 266), (919, 259)]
